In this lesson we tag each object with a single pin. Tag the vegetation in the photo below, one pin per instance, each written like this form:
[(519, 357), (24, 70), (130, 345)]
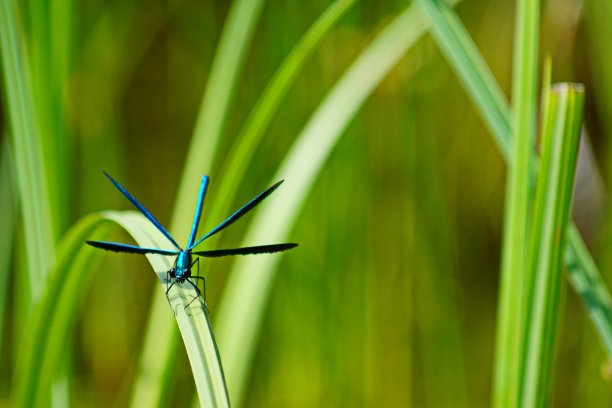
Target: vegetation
[(429, 273)]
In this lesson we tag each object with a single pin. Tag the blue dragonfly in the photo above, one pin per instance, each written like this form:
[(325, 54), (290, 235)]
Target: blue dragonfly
[(183, 263)]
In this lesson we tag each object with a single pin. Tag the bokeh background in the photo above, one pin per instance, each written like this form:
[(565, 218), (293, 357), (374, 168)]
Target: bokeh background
[(390, 299)]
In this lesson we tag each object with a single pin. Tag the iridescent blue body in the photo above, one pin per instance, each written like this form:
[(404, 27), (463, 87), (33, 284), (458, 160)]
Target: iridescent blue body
[(182, 268), (181, 271)]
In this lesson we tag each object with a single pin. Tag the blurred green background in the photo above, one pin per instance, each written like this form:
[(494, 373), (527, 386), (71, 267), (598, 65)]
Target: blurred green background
[(390, 299)]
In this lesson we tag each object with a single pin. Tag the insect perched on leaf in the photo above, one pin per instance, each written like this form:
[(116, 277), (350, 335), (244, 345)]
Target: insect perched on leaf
[(181, 271)]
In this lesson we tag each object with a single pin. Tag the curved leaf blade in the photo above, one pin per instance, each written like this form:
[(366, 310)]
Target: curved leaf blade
[(56, 311)]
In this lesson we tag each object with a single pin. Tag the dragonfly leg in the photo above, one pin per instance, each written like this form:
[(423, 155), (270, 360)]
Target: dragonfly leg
[(197, 261), (204, 284), (196, 288), (197, 276), (168, 288)]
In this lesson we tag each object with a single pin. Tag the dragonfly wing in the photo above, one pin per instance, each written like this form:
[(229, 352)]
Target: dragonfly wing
[(143, 210), (235, 216), (129, 249), (261, 249), (198, 212)]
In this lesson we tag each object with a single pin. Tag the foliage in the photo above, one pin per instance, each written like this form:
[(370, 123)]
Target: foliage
[(392, 190)]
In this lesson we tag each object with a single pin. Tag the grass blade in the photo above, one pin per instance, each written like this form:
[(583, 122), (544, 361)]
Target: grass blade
[(201, 348), (551, 217), (46, 329), (227, 65), (7, 225), (463, 56), (239, 322), (511, 323), (262, 113), (469, 66), (158, 363), (49, 51), (590, 286), (55, 313), (39, 225)]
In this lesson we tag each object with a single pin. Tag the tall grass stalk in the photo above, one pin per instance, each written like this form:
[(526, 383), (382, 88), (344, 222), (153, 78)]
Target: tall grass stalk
[(45, 331), (469, 66), (554, 188), (38, 218), (251, 134), (7, 225), (193, 321), (226, 68), (463, 56), (53, 317), (148, 387), (50, 46), (240, 313), (514, 272), (227, 64)]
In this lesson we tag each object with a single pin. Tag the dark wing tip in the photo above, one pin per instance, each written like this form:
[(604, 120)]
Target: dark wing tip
[(96, 244), (108, 176), (286, 247)]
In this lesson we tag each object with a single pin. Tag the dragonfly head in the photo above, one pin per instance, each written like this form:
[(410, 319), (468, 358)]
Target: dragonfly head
[(182, 268)]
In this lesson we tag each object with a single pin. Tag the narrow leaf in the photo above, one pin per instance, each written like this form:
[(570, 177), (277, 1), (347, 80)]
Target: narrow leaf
[(34, 201), (239, 323), (551, 217), (469, 66), (54, 314)]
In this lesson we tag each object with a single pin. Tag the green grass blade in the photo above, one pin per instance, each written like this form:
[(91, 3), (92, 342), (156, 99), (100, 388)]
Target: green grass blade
[(201, 348), (597, 16), (511, 323), (589, 285), (156, 361), (60, 139), (463, 56), (29, 166), (46, 330), (551, 217), (193, 322), (49, 46), (226, 67), (7, 225), (54, 315), (240, 313), (147, 390), (262, 113), (469, 65)]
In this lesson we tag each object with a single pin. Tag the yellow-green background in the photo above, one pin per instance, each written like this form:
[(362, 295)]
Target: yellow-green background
[(390, 299)]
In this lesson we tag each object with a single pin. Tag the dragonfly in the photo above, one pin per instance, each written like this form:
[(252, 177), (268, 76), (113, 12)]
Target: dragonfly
[(184, 262)]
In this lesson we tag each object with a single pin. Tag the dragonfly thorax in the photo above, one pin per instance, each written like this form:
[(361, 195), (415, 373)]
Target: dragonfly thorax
[(182, 268)]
